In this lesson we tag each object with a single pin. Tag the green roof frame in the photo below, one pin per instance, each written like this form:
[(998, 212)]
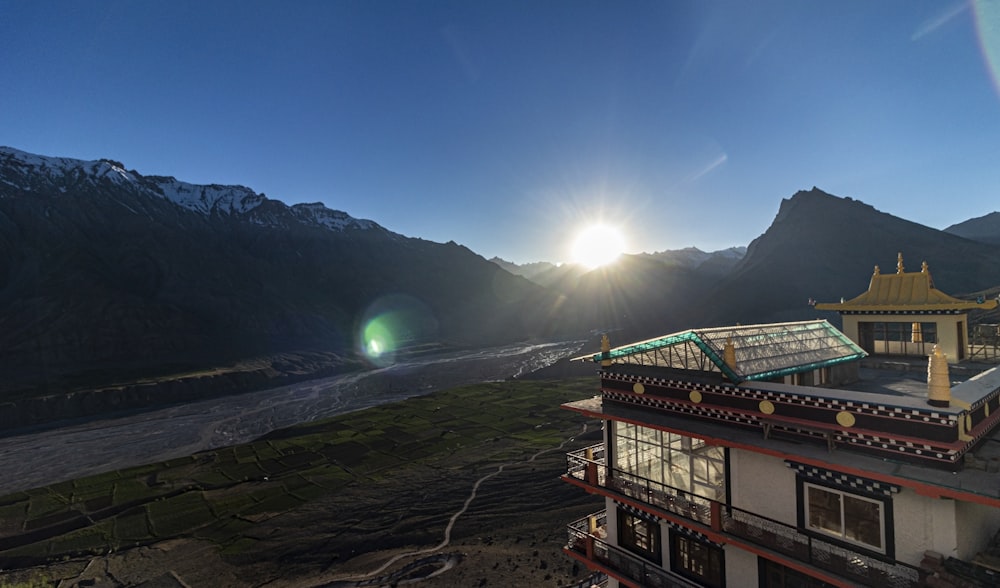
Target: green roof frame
[(849, 350)]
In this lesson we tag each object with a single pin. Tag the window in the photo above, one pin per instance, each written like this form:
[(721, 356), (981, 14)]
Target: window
[(684, 463), (851, 518), (639, 536), (775, 575), (699, 561)]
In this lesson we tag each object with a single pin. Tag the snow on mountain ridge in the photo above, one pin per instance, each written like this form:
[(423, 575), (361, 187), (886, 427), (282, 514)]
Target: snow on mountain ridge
[(334, 219), (18, 167), (210, 198)]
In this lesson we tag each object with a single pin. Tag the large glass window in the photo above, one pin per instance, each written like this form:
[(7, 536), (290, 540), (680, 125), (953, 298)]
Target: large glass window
[(682, 462), (639, 535), (849, 517), (699, 561)]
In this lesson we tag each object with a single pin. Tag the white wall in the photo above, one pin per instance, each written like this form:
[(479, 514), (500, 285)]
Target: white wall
[(741, 567), (977, 525), (923, 523), (766, 486), (763, 485), (612, 527)]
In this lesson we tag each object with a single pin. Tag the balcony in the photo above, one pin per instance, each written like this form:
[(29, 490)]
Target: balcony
[(595, 580), (586, 543), (734, 525)]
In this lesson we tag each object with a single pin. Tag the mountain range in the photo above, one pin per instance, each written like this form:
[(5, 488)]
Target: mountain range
[(107, 274)]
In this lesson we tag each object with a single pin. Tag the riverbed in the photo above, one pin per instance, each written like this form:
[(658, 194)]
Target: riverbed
[(45, 457)]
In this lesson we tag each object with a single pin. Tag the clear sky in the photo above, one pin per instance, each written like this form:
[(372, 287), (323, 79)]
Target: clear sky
[(506, 125)]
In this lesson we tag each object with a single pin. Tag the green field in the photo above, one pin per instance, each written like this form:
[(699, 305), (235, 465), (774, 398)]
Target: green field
[(220, 495)]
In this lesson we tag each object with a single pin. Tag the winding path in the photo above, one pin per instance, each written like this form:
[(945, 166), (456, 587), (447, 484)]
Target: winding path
[(367, 579)]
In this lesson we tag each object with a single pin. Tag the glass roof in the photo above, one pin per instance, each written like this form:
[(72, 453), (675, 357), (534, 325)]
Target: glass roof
[(762, 351)]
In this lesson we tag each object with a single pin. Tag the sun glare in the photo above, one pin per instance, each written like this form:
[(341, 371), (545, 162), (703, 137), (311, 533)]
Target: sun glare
[(597, 245)]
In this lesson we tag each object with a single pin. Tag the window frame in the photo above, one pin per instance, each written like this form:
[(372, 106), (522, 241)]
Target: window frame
[(678, 539), (887, 551), (627, 535), (767, 570), (670, 459)]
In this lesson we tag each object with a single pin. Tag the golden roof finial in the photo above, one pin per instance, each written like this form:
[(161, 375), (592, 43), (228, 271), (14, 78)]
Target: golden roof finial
[(938, 381), (899, 263), (729, 353), (923, 268), (877, 271)]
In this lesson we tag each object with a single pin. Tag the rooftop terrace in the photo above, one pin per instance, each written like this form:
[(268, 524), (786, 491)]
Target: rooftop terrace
[(834, 427)]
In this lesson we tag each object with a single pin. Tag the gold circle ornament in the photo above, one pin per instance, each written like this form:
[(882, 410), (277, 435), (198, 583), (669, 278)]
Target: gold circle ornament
[(695, 396), (845, 419), (766, 407), (638, 388)]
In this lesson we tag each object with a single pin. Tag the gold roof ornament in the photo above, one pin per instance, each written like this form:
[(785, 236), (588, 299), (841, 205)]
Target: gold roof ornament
[(904, 291), (938, 381), (729, 354)]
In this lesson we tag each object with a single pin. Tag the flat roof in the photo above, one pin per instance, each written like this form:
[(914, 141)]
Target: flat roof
[(902, 387)]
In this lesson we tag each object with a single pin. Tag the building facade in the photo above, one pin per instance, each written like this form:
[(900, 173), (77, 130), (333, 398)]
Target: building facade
[(761, 455), (904, 314)]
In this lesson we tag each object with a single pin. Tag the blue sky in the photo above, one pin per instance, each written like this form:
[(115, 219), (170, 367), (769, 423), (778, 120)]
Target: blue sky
[(506, 126)]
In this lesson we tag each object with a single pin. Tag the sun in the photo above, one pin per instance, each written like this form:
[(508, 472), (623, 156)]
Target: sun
[(597, 245)]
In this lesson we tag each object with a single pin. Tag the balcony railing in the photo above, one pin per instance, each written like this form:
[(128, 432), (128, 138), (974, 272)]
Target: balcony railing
[(595, 580), (727, 520), (584, 541)]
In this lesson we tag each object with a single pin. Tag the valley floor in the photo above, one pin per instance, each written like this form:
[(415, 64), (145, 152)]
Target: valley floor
[(390, 501)]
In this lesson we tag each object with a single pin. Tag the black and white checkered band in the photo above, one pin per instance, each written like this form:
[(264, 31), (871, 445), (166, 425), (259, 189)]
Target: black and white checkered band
[(844, 481), (695, 535)]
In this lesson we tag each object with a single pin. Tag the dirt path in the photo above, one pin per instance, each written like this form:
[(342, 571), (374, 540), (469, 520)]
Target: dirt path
[(369, 580)]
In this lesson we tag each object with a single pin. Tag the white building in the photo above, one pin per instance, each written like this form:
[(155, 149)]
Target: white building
[(755, 456)]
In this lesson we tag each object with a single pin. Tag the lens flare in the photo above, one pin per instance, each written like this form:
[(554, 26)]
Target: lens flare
[(987, 14), (392, 323), (378, 341)]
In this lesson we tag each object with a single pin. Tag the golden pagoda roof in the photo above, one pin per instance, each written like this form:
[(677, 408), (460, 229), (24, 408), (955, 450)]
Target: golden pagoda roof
[(905, 291)]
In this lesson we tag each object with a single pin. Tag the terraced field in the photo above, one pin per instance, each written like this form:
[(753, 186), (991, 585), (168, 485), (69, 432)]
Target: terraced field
[(323, 501)]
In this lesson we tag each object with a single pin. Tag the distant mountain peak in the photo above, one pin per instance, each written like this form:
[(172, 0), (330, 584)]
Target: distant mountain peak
[(27, 172), (818, 202), (985, 228)]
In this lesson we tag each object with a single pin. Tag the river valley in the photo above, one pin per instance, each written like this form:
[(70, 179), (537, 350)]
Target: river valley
[(39, 458)]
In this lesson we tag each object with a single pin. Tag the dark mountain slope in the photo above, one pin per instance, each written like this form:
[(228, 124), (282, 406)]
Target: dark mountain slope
[(824, 247), (984, 228), (110, 272), (636, 297)]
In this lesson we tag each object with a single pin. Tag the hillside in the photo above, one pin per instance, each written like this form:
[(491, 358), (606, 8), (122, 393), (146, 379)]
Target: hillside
[(824, 247), (984, 228), (107, 273)]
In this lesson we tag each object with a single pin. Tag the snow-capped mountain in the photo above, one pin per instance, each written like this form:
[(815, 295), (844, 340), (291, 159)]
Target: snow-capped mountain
[(27, 173), (104, 270)]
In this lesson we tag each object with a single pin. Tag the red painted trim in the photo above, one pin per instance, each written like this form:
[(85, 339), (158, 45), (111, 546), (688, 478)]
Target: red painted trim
[(938, 446), (721, 538), (597, 566), (921, 488)]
